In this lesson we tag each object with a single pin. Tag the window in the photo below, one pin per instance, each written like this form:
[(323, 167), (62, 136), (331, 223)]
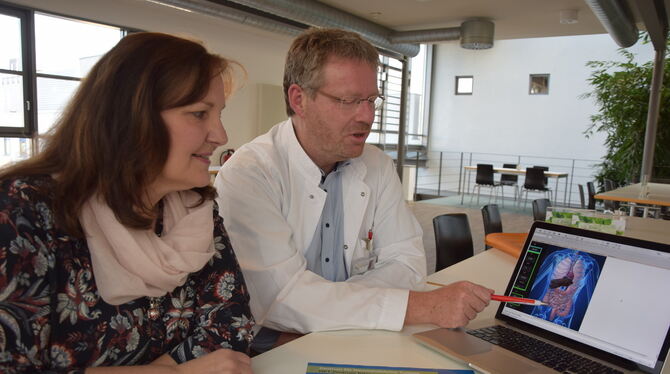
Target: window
[(15, 149), (387, 120), (539, 84), (464, 85), (34, 91), (60, 66), (13, 69), (417, 122)]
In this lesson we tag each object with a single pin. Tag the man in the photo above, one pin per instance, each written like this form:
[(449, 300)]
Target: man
[(316, 216)]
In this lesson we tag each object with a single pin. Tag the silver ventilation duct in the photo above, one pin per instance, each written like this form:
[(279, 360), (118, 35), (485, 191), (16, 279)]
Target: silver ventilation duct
[(220, 11), (318, 14), (474, 34), (426, 36), (314, 13), (616, 17)]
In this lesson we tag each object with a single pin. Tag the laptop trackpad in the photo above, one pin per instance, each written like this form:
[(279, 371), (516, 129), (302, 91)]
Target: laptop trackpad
[(498, 361), (478, 352)]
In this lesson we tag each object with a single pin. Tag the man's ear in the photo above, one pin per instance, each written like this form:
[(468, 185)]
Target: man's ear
[(296, 98)]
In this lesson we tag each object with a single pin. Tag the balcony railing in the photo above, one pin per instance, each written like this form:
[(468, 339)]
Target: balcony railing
[(443, 174)]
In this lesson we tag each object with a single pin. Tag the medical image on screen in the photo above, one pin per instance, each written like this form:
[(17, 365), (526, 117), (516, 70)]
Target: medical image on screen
[(564, 279)]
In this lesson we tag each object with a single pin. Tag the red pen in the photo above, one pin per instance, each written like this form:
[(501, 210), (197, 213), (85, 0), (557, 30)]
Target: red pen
[(517, 300), (508, 299)]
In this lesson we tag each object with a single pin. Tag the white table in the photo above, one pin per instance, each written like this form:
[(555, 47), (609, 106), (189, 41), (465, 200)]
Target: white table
[(387, 348), (550, 174), (491, 268), (658, 194)]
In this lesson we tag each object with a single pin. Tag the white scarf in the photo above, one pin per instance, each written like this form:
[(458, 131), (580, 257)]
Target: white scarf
[(130, 263)]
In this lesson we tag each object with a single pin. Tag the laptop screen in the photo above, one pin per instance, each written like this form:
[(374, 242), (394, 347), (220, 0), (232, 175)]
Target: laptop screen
[(608, 292)]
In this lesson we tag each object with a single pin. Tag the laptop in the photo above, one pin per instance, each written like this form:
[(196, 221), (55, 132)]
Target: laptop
[(608, 309)]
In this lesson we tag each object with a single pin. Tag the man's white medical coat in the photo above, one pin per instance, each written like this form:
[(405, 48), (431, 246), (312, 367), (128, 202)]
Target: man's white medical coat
[(270, 200)]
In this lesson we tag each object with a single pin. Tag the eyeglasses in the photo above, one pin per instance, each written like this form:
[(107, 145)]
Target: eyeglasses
[(352, 103)]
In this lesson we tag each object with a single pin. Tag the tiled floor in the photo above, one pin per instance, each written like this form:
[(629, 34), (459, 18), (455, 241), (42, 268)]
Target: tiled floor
[(513, 219)]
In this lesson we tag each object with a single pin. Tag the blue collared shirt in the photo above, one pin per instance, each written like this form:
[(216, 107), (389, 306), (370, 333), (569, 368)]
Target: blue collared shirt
[(325, 255)]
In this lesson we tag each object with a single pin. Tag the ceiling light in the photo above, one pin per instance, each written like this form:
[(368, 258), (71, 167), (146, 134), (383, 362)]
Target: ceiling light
[(169, 5), (569, 16)]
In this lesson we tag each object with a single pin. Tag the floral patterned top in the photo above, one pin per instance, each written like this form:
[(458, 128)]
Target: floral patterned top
[(52, 318)]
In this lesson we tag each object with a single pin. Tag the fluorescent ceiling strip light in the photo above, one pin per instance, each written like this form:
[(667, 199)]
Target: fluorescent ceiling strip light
[(169, 5)]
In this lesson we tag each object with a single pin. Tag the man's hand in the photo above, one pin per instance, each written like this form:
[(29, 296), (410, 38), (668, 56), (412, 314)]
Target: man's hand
[(450, 306)]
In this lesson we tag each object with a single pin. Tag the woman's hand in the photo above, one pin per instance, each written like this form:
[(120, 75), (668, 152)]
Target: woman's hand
[(222, 361)]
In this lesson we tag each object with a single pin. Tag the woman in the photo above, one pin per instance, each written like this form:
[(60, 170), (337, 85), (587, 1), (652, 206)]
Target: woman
[(112, 252)]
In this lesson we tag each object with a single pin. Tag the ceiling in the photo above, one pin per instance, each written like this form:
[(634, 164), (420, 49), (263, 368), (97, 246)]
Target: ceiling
[(398, 25), (512, 18)]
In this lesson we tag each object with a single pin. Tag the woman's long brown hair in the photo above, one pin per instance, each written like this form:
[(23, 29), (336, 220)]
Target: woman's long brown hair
[(111, 139)]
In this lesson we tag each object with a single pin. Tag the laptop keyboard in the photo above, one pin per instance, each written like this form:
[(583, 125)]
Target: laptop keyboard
[(546, 354)]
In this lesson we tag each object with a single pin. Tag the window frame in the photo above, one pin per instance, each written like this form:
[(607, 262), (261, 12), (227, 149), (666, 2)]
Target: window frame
[(530, 83), (29, 74), (380, 125), (457, 80)]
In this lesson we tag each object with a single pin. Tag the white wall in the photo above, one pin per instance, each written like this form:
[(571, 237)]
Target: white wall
[(261, 53), (500, 116)]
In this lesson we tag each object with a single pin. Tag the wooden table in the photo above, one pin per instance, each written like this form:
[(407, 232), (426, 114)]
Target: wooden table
[(508, 242), (658, 194), (550, 174)]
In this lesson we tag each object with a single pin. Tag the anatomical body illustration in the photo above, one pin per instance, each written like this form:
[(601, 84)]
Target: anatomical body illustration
[(565, 281)]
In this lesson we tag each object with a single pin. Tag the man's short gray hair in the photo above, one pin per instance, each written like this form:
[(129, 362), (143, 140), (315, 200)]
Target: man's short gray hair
[(311, 50)]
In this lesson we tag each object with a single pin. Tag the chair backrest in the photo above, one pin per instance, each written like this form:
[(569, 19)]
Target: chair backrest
[(540, 209), (534, 179), (591, 189), (610, 205), (581, 196), (492, 220), (453, 239), (485, 174), (545, 168), (665, 212), (509, 177)]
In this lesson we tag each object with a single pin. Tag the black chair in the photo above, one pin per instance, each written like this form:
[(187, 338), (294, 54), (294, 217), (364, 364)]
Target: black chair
[(591, 188), (485, 179), (581, 196), (665, 213), (492, 220), (511, 180), (534, 182), (453, 239), (540, 209), (545, 168), (610, 204)]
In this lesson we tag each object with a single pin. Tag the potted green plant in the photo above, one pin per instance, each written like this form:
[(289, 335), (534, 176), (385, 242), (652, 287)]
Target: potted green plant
[(621, 93)]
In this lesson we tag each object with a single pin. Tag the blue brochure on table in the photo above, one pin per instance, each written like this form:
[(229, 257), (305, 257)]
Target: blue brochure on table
[(319, 368)]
